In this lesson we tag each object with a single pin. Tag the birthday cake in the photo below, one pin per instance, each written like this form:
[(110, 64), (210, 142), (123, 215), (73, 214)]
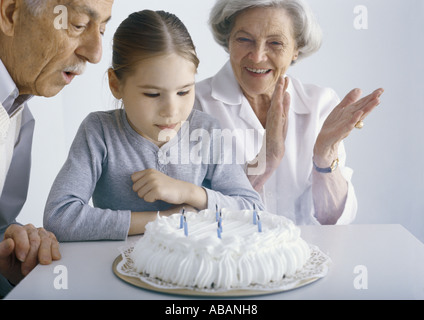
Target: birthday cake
[(220, 250)]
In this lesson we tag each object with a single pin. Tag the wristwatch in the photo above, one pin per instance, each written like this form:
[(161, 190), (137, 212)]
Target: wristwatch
[(330, 169)]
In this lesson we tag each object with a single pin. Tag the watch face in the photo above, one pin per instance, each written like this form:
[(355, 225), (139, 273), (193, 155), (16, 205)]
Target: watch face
[(334, 165)]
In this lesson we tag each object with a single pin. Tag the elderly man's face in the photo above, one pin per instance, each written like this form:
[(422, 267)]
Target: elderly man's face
[(261, 48), (46, 56)]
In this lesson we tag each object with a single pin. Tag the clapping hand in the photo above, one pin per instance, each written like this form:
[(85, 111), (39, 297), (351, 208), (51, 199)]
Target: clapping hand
[(347, 115), (273, 148)]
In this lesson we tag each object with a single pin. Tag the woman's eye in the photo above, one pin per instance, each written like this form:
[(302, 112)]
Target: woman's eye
[(277, 45), (243, 40), (152, 95)]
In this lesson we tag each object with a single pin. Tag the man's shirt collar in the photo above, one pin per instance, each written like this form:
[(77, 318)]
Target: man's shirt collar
[(9, 92)]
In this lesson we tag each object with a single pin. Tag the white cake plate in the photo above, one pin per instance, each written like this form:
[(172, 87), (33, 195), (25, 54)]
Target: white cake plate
[(315, 268)]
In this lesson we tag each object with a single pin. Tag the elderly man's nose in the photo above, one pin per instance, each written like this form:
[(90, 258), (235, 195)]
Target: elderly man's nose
[(91, 48)]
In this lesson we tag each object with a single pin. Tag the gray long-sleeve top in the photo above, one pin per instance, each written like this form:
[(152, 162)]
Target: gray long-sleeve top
[(107, 151)]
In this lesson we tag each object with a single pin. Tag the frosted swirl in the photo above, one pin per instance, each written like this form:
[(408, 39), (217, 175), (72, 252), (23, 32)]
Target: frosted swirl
[(242, 256)]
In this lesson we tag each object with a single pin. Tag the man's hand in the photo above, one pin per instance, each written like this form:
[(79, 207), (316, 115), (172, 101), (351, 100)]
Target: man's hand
[(23, 248)]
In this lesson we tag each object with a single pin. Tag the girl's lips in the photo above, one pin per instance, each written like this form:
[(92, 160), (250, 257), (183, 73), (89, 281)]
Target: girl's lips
[(168, 126)]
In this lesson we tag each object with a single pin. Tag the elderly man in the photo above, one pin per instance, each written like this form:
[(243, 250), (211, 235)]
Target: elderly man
[(38, 56)]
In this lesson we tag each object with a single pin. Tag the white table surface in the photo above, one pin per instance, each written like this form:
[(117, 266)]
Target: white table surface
[(393, 258)]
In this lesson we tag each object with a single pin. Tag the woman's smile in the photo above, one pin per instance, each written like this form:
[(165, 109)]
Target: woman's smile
[(258, 71)]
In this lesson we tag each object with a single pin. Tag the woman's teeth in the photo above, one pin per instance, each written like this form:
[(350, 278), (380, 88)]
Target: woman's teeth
[(258, 71)]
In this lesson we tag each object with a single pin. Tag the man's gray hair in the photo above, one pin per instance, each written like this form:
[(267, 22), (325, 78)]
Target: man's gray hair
[(36, 6), (307, 32)]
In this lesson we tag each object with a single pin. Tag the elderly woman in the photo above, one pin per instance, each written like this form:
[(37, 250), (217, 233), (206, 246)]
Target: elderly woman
[(297, 160)]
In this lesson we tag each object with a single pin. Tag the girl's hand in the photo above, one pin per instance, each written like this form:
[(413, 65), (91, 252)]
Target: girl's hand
[(152, 185)]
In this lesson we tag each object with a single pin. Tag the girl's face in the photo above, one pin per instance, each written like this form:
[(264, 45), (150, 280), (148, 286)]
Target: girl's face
[(158, 96)]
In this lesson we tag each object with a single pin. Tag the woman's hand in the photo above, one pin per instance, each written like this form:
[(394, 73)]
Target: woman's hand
[(340, 123), (152, 185), (329, 191), (277, 124), (273, 148)]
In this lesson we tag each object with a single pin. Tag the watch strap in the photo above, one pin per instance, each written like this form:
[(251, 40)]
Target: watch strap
[(329, 169)]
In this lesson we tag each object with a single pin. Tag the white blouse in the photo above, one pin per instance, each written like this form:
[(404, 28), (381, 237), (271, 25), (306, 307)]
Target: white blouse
[(288, 191)]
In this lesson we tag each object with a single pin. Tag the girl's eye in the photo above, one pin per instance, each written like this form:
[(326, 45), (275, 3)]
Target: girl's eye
[(152, 95), (183, 93)]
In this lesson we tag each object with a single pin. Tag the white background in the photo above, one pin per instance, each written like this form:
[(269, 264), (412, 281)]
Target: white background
[(387, 155)]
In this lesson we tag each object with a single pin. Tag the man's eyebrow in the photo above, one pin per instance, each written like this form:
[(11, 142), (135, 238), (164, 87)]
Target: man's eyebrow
[(89, 11)]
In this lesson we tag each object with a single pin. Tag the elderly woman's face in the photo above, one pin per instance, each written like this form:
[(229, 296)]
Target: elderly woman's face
[(261, 49)]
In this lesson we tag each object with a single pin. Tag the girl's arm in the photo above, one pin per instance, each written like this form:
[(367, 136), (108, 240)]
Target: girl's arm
[(68, 213), (152, 185), (225, 186)]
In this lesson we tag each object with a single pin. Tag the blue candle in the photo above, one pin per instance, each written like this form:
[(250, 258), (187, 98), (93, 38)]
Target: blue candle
[(259, 224), (220, 224), (254, 214), (216, 212), (185, 227), (182, 219), (218, 230)]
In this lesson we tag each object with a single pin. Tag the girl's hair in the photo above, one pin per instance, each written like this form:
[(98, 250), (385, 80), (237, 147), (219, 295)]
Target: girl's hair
[(146, 34)]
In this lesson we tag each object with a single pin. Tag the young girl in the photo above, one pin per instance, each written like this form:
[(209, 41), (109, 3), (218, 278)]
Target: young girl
[(132, 162)]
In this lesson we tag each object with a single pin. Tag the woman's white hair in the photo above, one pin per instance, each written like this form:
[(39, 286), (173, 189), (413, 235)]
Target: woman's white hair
[(307, 32)]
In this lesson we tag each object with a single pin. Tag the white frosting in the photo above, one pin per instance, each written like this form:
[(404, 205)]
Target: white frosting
[(243, 256)]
